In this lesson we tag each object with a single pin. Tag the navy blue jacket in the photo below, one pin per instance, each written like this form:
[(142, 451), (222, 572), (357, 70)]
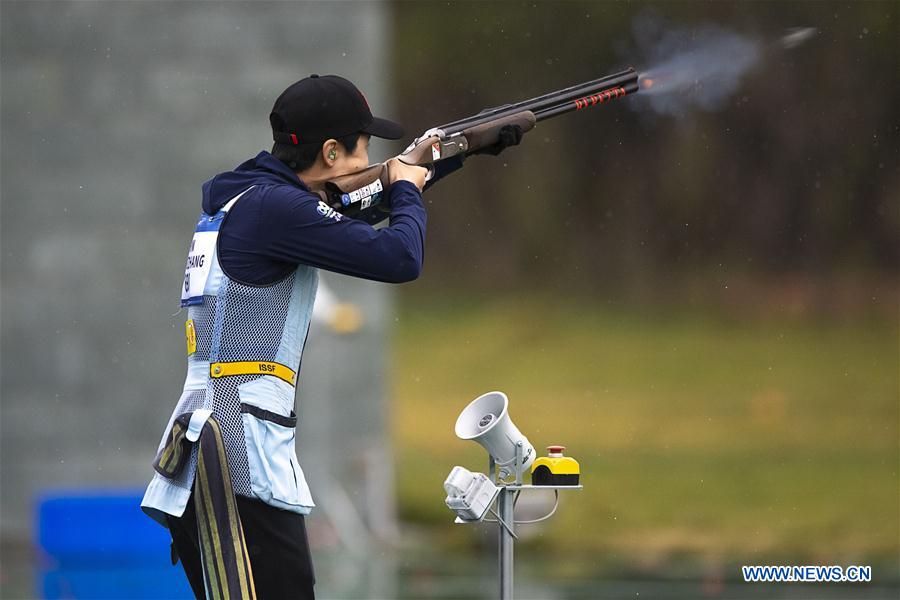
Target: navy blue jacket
[(279, 224)]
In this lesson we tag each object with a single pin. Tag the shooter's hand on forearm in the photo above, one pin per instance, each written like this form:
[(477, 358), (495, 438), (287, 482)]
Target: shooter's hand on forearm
[(509, 135), (398, 170)]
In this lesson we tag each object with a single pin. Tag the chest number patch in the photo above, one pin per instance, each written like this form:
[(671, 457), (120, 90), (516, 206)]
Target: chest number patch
[(202, 254), (191, 335)]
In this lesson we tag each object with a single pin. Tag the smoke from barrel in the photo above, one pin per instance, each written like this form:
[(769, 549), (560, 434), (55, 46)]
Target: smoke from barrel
[(701, 67)]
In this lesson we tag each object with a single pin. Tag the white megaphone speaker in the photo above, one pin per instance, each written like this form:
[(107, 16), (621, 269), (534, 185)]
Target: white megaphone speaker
[(486, 421)]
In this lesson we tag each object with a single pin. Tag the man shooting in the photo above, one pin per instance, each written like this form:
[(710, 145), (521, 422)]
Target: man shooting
[(228, 484)]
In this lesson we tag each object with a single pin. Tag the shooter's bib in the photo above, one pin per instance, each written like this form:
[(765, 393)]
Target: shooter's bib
[(202, 253), (244, 344)]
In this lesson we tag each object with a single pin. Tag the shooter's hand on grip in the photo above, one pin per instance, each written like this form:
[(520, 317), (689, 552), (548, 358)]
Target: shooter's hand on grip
[(397, 170)]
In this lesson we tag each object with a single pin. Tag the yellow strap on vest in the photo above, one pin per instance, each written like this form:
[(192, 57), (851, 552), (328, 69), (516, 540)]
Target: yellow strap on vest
[(252, 367)]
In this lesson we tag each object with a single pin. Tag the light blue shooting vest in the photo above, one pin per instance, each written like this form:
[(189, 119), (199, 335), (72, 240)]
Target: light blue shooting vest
[(244, 344)]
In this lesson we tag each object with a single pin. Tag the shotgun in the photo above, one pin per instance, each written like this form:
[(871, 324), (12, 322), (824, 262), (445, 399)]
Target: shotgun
[(360, 194)]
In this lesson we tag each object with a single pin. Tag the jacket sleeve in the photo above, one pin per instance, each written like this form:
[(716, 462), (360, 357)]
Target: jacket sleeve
[(301, 229)]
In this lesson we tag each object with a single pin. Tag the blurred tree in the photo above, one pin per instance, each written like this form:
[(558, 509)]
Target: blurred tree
[(795, 176)]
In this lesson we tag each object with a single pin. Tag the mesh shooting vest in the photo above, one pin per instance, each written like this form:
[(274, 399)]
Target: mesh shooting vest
[(244, 346)]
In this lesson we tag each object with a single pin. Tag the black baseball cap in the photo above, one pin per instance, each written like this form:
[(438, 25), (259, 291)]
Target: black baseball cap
[(328, 106)]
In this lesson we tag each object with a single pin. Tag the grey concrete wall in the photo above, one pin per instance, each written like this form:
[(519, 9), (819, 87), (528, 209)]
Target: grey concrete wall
[(113, 114)]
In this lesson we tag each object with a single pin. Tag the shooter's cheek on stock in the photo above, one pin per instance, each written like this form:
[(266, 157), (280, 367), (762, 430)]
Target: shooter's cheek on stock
[(360, 157)]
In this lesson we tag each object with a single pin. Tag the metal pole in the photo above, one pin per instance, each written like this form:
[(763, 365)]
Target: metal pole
[(505, 504)]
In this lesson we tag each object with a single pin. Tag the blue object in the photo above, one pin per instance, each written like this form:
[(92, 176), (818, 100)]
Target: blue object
[(280, 224), (99, 544), (277, 226)]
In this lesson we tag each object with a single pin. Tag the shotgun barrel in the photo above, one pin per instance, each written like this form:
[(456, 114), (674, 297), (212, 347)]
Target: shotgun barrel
[(555, 103), (360, 194)]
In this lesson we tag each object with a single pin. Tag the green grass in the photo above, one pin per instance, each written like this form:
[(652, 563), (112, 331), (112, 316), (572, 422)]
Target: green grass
[(696, 434)]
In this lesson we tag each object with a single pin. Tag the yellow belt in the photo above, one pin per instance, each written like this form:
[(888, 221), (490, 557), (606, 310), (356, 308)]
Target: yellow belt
[(252, 367)]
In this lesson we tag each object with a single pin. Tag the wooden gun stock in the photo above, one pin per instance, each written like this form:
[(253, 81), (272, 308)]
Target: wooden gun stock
[(350, 194)]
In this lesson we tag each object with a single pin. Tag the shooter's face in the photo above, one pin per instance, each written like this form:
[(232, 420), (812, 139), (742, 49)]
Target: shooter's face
[(351, 162)]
